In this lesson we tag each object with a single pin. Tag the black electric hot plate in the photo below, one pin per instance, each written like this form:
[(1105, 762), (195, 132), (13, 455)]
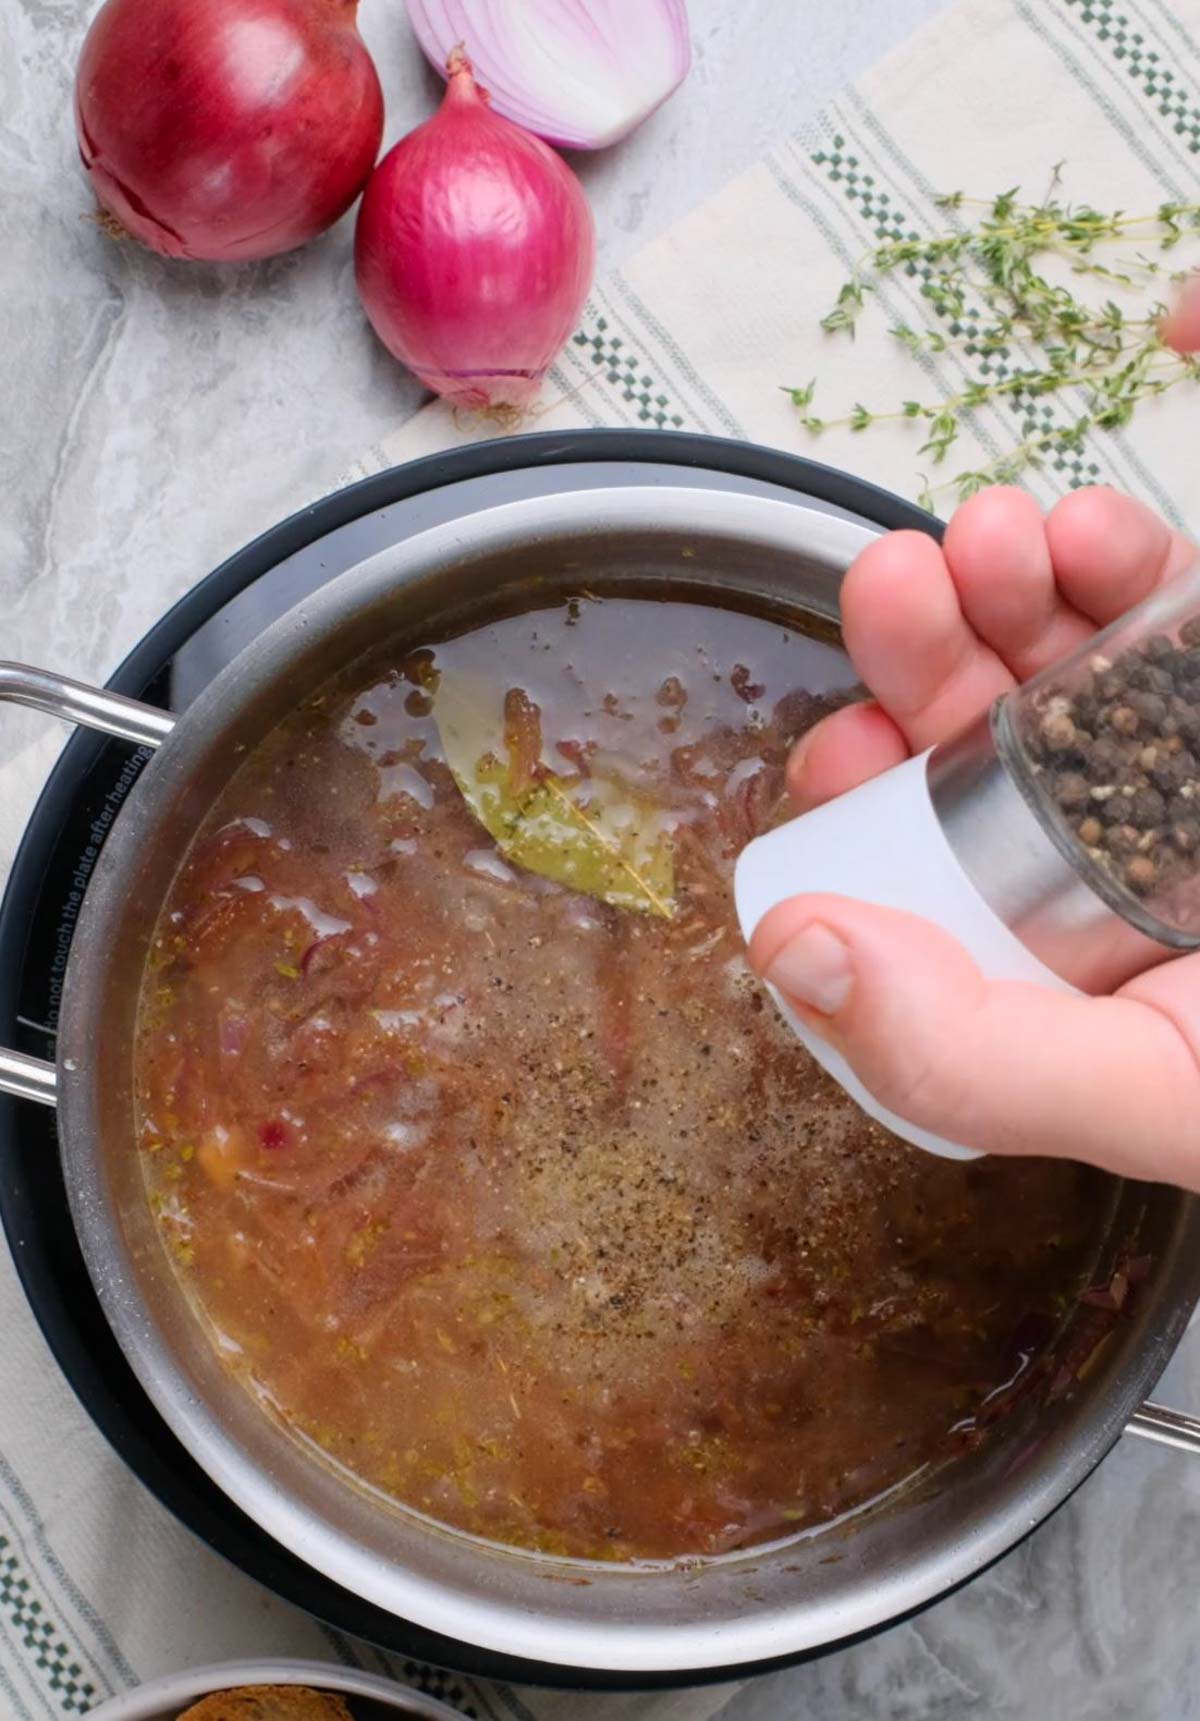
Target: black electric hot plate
[(84, 792)]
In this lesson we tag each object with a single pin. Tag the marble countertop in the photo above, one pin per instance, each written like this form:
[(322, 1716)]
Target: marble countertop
[(153, 417)]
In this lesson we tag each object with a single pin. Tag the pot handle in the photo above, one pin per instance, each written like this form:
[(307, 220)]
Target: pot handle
[(95, 708), (1166, 1427), (28, 1078)]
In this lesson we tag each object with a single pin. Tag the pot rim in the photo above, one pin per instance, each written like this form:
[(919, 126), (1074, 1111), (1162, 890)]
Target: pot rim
[(493, 1624)]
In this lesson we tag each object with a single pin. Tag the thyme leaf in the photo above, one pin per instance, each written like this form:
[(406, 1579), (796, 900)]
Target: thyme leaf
[(1099, 361)]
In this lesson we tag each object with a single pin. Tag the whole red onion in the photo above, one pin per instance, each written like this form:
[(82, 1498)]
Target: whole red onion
[(474, 251), (227, 129)]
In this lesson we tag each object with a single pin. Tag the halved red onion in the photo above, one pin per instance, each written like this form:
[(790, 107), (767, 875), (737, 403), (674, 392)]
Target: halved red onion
[(580, 73)]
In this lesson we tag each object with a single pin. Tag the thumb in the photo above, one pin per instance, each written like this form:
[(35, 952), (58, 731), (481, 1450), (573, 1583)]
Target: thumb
[(1005, 1066), (1181, 329)]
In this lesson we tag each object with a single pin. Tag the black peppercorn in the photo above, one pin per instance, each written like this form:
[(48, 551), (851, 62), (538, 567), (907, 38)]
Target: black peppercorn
[(1150, 707), (1121, 839), (1147, 808), (1103, 755), (1167, 773), (1119, 759), (1072, 790)]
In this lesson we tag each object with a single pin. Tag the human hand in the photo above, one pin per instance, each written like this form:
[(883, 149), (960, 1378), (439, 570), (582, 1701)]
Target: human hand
[(937, 633), (1182, 327)]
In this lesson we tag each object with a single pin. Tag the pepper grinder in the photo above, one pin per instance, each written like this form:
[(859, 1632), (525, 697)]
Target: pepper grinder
[(1055, 838)]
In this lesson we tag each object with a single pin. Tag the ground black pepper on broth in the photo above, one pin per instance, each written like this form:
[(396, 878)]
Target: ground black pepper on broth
[(526, 1208)]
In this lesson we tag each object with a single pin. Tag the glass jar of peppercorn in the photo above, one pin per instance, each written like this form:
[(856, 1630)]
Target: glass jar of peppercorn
[(1106, 747)]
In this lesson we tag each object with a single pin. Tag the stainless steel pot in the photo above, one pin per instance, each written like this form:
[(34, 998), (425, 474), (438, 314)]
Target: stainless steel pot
[(745, 1608)]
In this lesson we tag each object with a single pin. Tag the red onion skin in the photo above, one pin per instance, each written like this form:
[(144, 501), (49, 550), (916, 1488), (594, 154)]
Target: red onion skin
[(474, 252), (227, 129)]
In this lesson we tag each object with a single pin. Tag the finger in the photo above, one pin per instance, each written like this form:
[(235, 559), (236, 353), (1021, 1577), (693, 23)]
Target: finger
[(1110, 552), (999, 558), (846, 749), (1005, 1066), (1181, 329), (911, 643)]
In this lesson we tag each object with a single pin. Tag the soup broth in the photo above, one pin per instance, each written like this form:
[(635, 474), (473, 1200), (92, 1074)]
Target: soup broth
[(518, 1200)]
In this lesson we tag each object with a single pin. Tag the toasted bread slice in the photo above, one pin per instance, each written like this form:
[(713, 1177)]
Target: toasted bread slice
[(268, 1703)]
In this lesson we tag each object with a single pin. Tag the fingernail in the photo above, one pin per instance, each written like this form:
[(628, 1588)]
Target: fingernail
[(800, 751), (798, 793), (815, 969)]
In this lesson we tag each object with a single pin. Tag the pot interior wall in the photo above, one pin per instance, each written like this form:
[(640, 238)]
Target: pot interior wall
[(764, 1603)]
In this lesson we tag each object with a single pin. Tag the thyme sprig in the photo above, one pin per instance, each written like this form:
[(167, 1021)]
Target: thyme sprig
[(984, 279)]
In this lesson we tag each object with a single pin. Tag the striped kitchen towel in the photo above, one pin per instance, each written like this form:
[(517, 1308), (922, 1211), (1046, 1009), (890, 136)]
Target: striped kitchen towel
[(705, 327), (99, 1587)]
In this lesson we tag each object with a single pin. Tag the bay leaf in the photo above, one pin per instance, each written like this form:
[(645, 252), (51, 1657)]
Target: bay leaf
[(594, 834)]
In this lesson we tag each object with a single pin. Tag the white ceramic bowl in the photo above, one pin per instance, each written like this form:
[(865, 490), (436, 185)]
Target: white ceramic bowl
[(164, 1699)]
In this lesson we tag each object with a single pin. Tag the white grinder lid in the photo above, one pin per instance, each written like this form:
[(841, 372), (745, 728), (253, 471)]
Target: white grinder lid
[(881, 843)]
